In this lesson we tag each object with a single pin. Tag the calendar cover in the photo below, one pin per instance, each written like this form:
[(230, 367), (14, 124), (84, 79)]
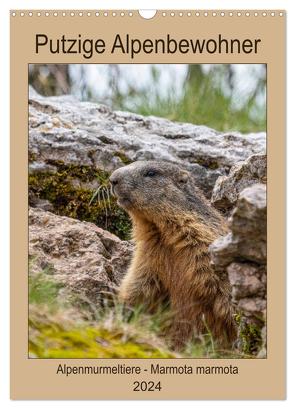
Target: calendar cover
[(147, 204)]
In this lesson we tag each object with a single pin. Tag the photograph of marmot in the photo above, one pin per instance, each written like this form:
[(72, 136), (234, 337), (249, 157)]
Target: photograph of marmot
[(147, 211), (173, 227)]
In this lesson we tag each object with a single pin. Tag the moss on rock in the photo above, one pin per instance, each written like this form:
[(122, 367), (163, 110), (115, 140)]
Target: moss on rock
[(250, 339), (70, 191), (124, 158), (53, 336)]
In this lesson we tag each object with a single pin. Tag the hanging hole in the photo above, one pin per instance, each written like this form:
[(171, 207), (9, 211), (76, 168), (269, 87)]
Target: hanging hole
[(147, 14)]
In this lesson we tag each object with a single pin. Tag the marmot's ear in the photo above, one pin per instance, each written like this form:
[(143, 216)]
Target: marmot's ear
[(183, 176)]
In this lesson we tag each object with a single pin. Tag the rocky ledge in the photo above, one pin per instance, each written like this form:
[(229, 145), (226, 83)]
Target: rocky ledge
[(86, 259), (242, 255), (64, 130)]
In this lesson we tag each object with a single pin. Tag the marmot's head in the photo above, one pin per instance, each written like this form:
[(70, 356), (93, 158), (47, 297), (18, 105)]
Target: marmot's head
[(151, 187), (159, 190)]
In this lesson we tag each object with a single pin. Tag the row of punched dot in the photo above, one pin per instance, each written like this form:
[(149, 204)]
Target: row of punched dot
[(164, 14)]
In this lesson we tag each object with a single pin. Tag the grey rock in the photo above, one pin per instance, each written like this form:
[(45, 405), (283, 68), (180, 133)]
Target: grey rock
[(253, 306), (41, 203), (246, 240), (248, 223), (244, 174), (64, 129), (86, 259), (247, 237), (40, 167), (242, 255), (223, 251), (245, 279)]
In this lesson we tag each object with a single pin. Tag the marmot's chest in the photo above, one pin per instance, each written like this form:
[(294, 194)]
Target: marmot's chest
[(167, 265)]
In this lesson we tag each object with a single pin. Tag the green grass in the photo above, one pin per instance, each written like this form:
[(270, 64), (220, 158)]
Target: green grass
[(203, 102), (202, 107), (66, 325), (112, 332), (43, 290), (53, 336)]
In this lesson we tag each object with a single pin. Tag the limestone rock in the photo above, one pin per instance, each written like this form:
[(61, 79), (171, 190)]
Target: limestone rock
[(65, 130), (244, 174), (247, 238), (246, 280), (242, 255), (80, 255)]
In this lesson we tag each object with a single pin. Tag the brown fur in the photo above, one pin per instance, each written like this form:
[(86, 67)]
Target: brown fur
[(173, 226)]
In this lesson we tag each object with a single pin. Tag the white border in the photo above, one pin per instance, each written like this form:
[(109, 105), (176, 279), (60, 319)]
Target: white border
[(289, 5)]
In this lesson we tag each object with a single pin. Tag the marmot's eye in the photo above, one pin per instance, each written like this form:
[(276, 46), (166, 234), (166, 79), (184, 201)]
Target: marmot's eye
[(150, 173)]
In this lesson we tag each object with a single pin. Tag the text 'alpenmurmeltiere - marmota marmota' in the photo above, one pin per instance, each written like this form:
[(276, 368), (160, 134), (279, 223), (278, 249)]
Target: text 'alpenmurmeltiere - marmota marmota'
[(173, 226)]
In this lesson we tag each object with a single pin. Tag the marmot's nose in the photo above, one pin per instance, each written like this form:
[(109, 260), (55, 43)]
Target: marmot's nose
[(114, 179)]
